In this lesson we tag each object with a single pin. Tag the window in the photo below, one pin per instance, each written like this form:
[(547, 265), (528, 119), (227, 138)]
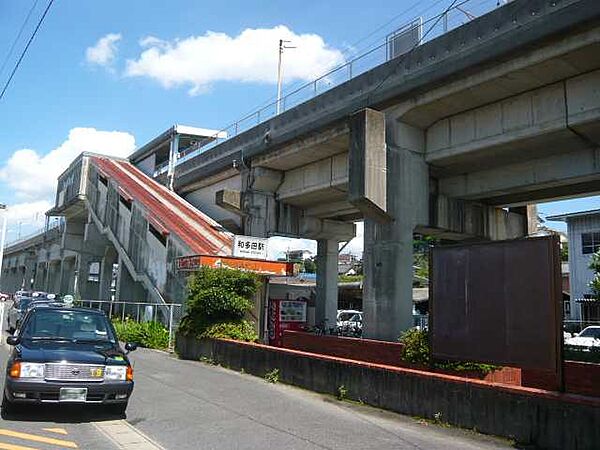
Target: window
[(590, 243), (125, 202), (158, 235), (567, 308)]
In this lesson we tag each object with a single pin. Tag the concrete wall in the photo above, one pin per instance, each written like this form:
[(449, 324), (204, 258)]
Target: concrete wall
[(147, 165), (124, 225), (204, 199), (157, 262), (530, 416)]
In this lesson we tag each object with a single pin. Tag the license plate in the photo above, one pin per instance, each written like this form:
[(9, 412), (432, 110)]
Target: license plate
[(72, 394)]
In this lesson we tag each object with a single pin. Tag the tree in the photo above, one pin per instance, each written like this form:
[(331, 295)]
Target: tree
[(421, 247), (595, 266), (564, 251), (309, 266), (218, 301)]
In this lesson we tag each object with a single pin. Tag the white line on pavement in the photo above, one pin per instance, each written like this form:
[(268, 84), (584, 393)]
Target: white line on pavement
[(126, 436)]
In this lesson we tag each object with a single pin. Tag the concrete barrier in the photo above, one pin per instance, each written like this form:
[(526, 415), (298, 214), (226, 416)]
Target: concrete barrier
[(530, 416), (382, 352)]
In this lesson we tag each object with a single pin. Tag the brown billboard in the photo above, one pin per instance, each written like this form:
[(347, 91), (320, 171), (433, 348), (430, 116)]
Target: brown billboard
[(498, 302)]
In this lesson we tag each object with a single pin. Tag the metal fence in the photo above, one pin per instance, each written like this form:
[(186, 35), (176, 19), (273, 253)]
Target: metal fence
[(168, 314), (432, 25)]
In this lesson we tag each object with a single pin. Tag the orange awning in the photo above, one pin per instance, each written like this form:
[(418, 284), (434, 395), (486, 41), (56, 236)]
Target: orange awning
[(259, 266)]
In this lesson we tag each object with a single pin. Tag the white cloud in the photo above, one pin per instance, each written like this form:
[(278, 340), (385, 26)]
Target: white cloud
[(32, 176), (28, 213), (105, 50), (279, 245), (251, 56), (356, 245), (26, 218)]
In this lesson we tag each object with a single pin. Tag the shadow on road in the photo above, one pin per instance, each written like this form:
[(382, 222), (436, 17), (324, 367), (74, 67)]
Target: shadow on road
[(60, 414)]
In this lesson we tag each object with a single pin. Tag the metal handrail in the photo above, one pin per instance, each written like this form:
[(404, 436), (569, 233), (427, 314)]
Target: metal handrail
[(347, 69)]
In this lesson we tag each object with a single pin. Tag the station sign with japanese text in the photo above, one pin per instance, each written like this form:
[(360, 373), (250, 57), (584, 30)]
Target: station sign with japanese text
[(250, 247)]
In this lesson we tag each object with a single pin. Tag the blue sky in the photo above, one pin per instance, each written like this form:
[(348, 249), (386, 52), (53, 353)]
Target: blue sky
[(66, 98)]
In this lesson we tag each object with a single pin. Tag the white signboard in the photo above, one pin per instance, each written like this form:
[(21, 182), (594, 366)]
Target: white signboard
[(250, 247)]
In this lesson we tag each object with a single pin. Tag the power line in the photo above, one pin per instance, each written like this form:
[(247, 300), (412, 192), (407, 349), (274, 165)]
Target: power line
[(14, 44), (351, 49), (39, 24)]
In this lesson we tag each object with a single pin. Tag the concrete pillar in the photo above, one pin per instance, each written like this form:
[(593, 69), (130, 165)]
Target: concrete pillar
[(30, 268), (67, 276), (106, 273), (129, 290), (530, 225), (53, 283), (258, 201), (40, 277), (327, 282), (388, 244), (21, 277), (87, 290)]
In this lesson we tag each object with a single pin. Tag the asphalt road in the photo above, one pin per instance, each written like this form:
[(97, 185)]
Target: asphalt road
[(64, 426), (192, 405)]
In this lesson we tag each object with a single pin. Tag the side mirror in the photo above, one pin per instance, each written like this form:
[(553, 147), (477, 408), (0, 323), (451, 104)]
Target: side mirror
[(130, 347), (13, 340)]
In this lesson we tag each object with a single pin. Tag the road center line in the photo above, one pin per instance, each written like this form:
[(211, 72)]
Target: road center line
[(36, 438)]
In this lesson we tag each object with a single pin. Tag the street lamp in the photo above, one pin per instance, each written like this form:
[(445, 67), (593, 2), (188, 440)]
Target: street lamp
[(3, 238)]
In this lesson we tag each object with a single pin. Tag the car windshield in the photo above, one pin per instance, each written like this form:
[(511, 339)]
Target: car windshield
[(590, 333), (76, 326)]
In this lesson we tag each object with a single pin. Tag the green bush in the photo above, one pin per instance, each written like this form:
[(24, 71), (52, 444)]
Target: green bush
[(416, 350), (349, 278), (218, 301), (416, 346), (240, 331), (145, 334)]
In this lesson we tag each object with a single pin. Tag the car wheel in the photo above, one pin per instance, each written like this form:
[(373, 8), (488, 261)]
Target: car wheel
[(118, 409), (7, 406)]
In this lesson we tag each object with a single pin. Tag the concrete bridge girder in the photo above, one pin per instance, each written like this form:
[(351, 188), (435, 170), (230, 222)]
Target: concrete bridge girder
[(540, 65), (564, 116)]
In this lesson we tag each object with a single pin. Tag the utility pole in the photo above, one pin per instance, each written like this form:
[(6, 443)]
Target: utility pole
[(282, 47), (3, 238)]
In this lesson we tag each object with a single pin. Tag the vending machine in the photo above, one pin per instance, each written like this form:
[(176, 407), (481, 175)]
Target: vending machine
[(285, 315)]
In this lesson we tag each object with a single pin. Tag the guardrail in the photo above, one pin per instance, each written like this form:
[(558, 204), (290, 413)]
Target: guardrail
[(432, 27)]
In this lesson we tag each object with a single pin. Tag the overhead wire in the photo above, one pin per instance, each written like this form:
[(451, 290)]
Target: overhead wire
[(347, 52), (19, 34), (39, 24)]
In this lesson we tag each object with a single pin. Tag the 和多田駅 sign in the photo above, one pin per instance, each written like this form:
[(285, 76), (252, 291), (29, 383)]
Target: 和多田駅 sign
[(250, 247)]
